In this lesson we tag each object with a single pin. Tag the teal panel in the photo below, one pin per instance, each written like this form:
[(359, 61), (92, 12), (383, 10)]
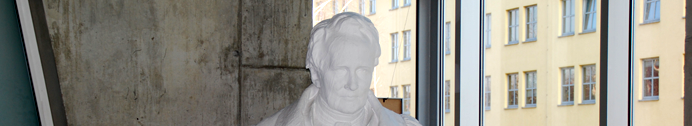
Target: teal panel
[(17, 101)]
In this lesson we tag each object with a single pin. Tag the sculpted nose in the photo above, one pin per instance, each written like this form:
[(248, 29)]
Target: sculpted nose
[(351, 84)]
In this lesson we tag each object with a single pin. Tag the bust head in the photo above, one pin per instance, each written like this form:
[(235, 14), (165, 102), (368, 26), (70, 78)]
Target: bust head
[(342, 54)]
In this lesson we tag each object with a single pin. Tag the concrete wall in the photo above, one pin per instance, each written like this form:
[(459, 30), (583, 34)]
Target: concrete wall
[(178, 62)]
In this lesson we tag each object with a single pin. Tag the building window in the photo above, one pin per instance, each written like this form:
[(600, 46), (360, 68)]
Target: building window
[(650, 75), (589, 82), (394, 92), (372, 6), (407, 2), (447, 94), (531, 21), (512, 91), (531, 89), (335, 7), (568, 86), (513, 36), (589, 15), (407, 99), (447, 38), (567, 17), (487, 92), (362, 7), (407, 45), (487, 29), (652, 11), (395, 46), (395, 4)]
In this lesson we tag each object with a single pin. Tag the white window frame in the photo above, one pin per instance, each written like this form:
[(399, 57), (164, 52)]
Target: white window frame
[(395, 46), (531, 23), (652, 78), (407, 45), (335, 6), (447, 37), (656, 17), (589, 16), (406, 100), (373, 6), (394, 91), (345, 3), (362, 7), (567, 17), (588, 83), (513, 26), (531, 85), (395, 4), (487, 104), (512, 81), (487, 29), (567, 83), (447, 98), (407, 2)]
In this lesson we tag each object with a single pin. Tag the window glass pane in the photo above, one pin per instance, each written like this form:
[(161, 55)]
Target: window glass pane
[(395, 73), (657, 63), (555, 61)]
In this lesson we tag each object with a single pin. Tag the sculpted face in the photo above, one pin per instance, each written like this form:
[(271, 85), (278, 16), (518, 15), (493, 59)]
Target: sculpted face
[(347, 75)]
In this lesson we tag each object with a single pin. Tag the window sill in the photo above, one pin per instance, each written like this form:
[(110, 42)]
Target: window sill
[(566, 35), (447, 111), (487, 108), (589, 102), (530, 40), (406, 59), (512, 43), (566, 104), (395, 61), (447, 52), (651, 21), (511, 107), (393, 9), (588, 31), (529, 106), (652, 98), (405, 5), (406, 113), (371, 13)]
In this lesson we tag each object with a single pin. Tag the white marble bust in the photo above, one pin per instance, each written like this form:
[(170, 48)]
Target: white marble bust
[(342, 54)]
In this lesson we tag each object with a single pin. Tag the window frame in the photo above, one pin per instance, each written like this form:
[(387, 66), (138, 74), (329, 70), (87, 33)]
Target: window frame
[(591, 83), (407, 45), (395, 4), (407, 3), (569, 86), (447, 37), (488, 93), (568, 14), (373, 7), (405, 99), (395, 47), (657, 11), (531, 23), (654, 61), (512, 93), (394, 91), (447, 100), (335, 6), (487, 36), (589, 13), (513, 26), (530, 84)]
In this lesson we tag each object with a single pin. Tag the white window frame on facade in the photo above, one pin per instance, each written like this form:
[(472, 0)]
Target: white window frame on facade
[(345, 3), (407, 2), (373, 6), (531, 23), (567, 85), (362, 7), (588, 83), (531, 89), (447, 98), (653, 78), (589, 16), (512, 90), (407, 99), (395, 4), (407, 45), (395, 47), (652, 11), (487, 92), (567, 17), (487, 39), (447, 36), (513, 26), (394, 91)]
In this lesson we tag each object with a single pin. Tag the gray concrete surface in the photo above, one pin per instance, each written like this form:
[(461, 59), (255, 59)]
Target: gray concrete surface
[(178, 62)]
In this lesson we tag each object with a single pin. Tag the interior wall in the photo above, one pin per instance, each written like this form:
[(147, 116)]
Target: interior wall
[(178, 62)]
